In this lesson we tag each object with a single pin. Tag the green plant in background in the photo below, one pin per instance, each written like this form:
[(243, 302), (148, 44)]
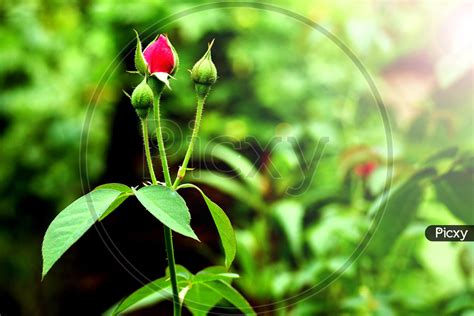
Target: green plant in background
[(310, 250), (200, 292)]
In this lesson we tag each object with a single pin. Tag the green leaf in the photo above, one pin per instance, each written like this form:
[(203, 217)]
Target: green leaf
[(247, 247), (118, 201), (140, 63), (200, 299), (456, 190), (224, 227), (71, 223), (148, 295), (126, 192), (241, 165), (400, 204), (289, 215), (168, 207), (115, 186), (213, 274), (227, 185), (231, 295), (153, 292), (182, 274), (446, 153)]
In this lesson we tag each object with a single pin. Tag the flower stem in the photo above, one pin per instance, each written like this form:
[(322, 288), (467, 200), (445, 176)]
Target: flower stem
[(167, 231), (189, 152), (161, 144), (146, 142), (172, 268)]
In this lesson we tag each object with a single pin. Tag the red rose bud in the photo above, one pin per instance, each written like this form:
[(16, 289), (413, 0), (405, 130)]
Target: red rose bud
[(204, 73), (161, 58), (364, 170), (142, 99)]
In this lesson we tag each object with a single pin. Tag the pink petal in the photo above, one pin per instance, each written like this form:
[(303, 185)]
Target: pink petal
[(159, 56)]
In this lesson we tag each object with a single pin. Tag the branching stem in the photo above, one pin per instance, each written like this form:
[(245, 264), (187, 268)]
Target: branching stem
[(189, 152), (167, 231)]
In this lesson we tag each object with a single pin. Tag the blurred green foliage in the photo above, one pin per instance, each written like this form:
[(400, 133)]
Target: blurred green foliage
[(278, 79)]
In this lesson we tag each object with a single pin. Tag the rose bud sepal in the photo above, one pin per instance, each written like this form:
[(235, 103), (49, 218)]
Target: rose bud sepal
[(142, 99), (156, 85), (140, 63)]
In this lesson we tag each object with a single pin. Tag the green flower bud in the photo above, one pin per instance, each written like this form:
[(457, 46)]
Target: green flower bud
[(204, 73), (142, 99)]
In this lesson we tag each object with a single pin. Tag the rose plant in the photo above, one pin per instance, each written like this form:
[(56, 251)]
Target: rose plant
[(200, 292)]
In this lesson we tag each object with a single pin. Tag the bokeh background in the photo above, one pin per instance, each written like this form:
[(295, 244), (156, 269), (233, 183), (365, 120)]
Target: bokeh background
[(293, 146)]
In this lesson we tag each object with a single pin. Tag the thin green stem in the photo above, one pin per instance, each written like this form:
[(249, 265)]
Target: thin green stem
[(161, 144), (172, 268), (167, 231), (189, 152), (146, 142)]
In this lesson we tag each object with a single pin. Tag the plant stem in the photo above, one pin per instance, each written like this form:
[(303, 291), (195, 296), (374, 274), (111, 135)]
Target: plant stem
[(167, 231), (172, 268), (161, 144), (146, 142), (197, 124)]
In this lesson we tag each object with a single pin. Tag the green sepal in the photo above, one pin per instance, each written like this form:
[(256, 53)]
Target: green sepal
[(140, 63), (176, 59), (156, 85)]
